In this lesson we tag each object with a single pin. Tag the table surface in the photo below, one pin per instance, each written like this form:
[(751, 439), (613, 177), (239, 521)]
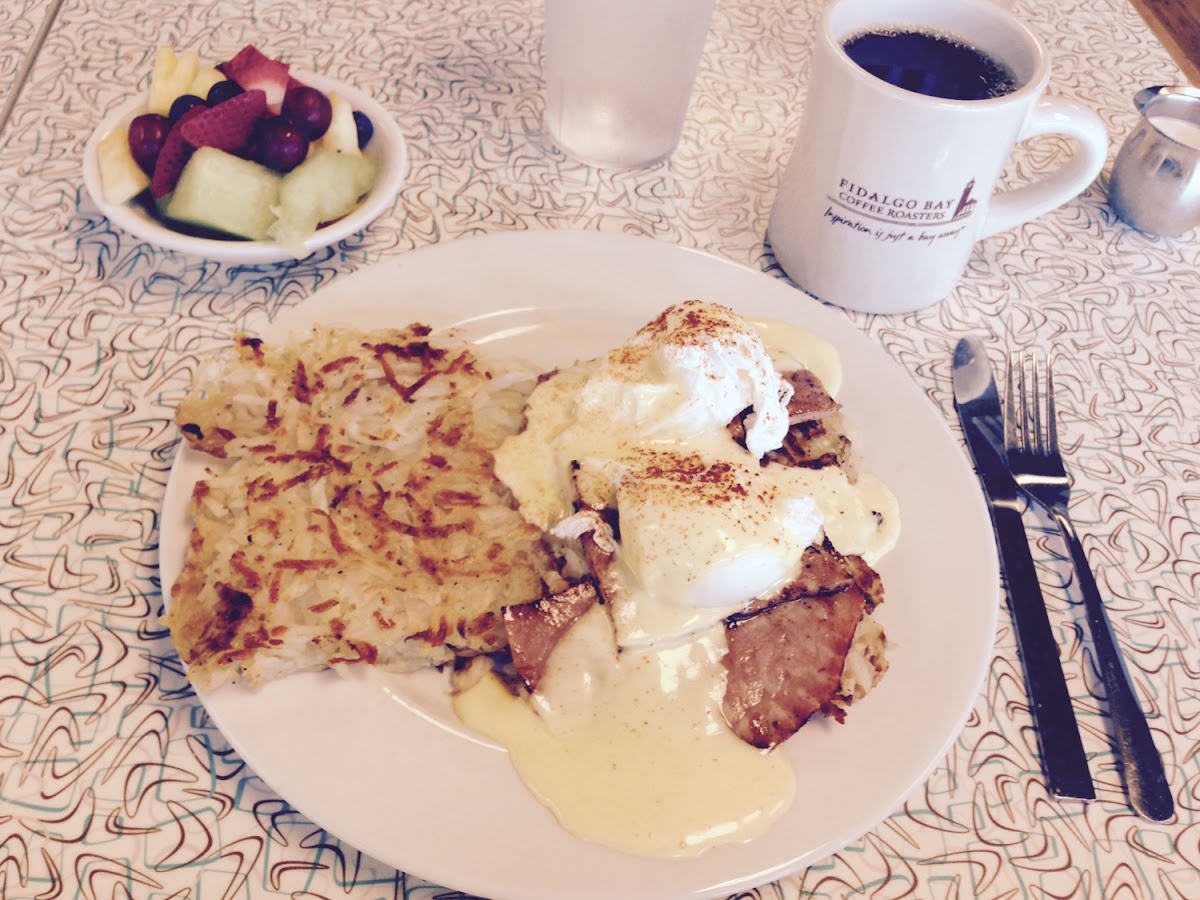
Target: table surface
[(113, 781)]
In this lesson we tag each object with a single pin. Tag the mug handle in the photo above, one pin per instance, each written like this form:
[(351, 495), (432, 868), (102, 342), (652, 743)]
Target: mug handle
[(1013, 207)]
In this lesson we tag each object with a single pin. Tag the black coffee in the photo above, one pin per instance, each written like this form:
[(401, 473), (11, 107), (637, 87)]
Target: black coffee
[(932, 64)]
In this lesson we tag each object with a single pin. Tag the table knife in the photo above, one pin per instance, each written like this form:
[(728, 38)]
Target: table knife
[(978, 404)]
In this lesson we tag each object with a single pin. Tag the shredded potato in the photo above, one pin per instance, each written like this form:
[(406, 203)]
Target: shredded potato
[(355, 516)]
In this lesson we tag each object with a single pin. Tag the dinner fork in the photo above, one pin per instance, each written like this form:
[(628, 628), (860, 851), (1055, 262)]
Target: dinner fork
[(1031, 439)]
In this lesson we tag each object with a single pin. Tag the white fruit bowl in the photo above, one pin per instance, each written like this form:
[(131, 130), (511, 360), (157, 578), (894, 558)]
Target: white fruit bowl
[(387, 148)]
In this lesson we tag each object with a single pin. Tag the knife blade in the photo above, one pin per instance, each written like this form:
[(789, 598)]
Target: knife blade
[(978, 404)]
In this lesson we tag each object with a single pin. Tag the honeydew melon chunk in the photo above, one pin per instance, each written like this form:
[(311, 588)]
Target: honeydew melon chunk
[(171, 78), (121, 178), (222, 191), (326, 186)]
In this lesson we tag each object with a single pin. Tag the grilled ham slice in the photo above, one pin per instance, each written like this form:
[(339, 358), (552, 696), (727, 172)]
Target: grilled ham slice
[(818, 435), (787, 656), (534, 629)]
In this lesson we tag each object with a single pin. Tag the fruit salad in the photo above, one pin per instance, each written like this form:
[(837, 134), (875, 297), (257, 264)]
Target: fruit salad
[(240, 150)]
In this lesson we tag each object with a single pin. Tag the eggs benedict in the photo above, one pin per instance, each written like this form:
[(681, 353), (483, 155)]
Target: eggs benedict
[(702, 470)]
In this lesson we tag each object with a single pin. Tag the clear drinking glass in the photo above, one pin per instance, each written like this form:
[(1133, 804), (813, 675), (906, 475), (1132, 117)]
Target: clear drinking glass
[(619, 76)]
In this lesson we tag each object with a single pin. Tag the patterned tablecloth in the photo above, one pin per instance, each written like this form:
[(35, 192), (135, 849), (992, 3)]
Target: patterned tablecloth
[(113, 783)]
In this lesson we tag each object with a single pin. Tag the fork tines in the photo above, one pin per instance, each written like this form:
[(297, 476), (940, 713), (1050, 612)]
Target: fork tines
[(1023, 403)]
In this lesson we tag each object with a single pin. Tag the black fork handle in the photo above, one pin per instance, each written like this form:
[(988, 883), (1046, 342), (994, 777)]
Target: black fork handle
[(1145, 780)]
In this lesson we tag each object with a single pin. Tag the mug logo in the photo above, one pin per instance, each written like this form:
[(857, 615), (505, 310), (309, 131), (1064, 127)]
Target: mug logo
[(893, 219), (965, 204)]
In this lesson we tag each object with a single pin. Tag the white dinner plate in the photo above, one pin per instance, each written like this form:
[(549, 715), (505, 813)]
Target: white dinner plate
[(387, 148), (382, 762)]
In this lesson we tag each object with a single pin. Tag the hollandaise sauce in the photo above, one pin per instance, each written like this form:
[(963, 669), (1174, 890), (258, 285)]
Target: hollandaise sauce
[(631, 751)]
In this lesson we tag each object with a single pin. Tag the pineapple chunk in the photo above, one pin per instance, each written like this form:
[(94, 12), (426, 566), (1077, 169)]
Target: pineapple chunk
[(172, 77), (203, 82), (342, 136), (121, 178)]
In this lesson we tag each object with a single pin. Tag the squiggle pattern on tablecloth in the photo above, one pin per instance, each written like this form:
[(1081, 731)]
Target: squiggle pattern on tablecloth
[(100, 735)]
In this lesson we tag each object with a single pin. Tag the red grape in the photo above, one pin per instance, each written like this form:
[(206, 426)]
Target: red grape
[(146, 136), (282, 144), (310, 109)]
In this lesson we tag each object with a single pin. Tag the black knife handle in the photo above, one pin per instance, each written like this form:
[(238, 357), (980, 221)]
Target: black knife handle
[(1065, 762), (1145, 777)]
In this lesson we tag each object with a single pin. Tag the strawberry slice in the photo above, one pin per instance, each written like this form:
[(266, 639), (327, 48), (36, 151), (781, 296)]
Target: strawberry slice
[(254, 70), (174, 156), (228, 125)]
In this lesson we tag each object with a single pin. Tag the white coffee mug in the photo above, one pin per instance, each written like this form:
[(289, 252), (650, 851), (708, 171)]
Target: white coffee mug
[(888, 190)]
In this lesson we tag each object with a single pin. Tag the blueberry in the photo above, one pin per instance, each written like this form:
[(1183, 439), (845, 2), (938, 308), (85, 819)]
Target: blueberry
[(182, 104), (366, 129), (222, 91)]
